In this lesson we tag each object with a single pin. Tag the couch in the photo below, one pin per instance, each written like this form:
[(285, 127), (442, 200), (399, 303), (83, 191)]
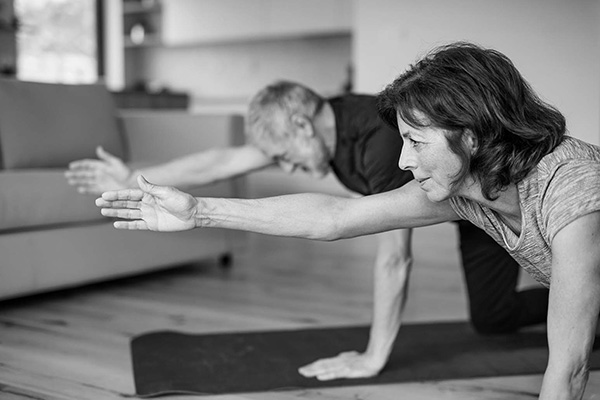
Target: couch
[(52, 237)]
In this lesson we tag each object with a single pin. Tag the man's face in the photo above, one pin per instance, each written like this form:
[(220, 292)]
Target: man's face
[(304, 150)]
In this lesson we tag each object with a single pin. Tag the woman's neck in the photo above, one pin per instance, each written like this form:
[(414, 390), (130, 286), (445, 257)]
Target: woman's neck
[(506, 205)]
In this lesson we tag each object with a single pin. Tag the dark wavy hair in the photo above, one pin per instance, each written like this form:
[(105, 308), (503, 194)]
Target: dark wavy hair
[(462, 86)]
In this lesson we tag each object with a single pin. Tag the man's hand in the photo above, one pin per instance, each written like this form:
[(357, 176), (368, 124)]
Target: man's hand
[(151, 207), (97, 176), (350, 364)]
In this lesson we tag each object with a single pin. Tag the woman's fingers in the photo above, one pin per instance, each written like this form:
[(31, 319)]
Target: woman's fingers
[(325, 369), (125, 194), (350, 364), (123, 213), (137, 225)]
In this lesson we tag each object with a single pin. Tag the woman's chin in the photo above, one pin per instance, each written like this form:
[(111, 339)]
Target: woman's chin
[(437, 197)]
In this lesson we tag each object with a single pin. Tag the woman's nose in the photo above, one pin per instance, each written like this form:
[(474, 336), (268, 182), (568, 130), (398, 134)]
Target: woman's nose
[(406, 161)]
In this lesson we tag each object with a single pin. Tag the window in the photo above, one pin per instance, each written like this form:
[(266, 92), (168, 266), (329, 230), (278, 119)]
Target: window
[(57, 41)]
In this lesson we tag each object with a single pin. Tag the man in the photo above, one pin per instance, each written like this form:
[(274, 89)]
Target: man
[(292, 126)]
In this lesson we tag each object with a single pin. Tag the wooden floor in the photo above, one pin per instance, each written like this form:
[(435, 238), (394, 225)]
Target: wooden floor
[(73, 345)]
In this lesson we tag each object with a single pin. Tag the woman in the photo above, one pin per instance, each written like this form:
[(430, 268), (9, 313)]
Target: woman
[(483, 147)]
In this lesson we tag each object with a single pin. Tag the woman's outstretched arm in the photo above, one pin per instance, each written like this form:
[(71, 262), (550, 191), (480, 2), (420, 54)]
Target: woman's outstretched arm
[(309, 215)]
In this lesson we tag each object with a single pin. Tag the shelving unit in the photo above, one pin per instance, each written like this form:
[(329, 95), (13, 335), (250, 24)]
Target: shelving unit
[(198, 22), (142, 23), (8, 38), (150, 23)]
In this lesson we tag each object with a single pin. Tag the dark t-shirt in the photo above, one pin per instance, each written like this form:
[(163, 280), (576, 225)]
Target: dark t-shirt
[(367, 149)]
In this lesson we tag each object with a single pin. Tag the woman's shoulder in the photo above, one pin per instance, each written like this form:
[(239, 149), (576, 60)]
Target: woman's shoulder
[(570, 151), (575, 149)]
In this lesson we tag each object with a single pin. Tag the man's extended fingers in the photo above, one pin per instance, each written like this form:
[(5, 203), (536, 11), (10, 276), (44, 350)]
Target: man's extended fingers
[(105, 155), (81, 174), (85, 189), (87, 163)]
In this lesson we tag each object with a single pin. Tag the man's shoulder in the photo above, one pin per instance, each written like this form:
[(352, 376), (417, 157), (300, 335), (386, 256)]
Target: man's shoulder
[(355, 109), (353, 97)]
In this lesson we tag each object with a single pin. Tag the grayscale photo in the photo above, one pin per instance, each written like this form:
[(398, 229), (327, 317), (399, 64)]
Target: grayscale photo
[(299, 199)]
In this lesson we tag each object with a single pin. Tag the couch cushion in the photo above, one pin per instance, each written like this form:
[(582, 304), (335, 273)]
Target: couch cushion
[(50, 125), (42, 199), (37, 198)]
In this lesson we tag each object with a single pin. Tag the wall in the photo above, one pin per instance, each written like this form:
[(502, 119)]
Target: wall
[(114, 60), (231, 72), (554, 43)]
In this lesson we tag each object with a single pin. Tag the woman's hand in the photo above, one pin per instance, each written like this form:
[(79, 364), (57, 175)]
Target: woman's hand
[(97, 176), (350, 364), (151, 207)]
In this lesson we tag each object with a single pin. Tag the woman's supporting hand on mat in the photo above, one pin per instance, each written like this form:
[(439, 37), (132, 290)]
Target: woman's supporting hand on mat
[(349, 364), (151, 207)]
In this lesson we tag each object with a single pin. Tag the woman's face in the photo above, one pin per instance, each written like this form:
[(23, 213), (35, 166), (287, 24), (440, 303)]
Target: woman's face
[(427, 155)]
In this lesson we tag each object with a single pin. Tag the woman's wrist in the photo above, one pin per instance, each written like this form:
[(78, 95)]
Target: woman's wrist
[(376, 360), (378, 354), (199, 213)]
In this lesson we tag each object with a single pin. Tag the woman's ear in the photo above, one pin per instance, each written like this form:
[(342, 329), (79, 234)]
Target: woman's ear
[(471, 141)]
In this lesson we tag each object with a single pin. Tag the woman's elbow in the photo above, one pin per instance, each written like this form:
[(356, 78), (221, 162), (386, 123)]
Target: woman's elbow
[(325, 233), (331, 223), (327, 230)]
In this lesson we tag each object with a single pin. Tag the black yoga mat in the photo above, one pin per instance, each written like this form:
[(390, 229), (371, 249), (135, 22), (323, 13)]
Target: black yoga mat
[(175, 363)]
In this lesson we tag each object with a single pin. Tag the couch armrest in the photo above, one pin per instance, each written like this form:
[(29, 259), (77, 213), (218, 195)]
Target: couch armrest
[(159, 136)]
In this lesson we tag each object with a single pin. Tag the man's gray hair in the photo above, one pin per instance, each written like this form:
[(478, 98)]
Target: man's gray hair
[(273, 106)]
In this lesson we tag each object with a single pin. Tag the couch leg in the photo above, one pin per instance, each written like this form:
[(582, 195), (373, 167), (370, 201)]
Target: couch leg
[(226, 260)]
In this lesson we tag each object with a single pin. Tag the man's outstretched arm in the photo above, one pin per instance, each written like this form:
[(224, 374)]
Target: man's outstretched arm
[(95, 176)]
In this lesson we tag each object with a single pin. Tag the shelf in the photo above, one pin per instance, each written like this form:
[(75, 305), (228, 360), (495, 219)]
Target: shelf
[(141, 8), (150, 40), (156, 42), (177, 25)]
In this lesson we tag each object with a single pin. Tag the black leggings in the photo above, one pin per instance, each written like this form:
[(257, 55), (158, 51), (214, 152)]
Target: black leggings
[(491, 277)]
